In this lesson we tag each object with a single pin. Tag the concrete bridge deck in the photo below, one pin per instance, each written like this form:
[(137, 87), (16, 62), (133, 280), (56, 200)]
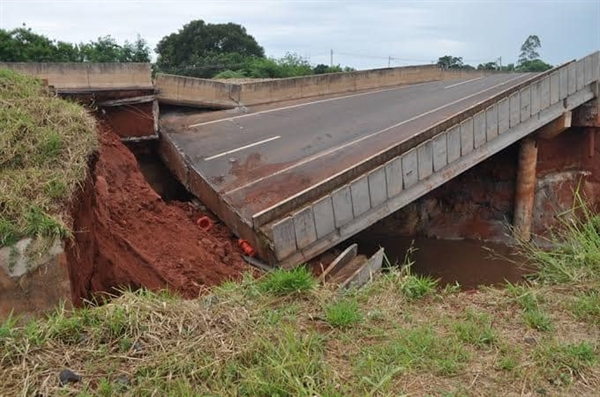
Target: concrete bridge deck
[(298, 179)]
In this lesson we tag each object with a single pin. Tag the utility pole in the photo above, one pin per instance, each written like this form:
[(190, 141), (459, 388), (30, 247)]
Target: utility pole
[(390, 61), (331, 58)]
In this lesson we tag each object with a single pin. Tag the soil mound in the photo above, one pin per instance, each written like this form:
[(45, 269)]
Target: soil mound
[(127, 236)]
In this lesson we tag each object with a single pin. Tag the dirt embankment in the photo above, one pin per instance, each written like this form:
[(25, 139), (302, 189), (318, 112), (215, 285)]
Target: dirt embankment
[(126, 235)]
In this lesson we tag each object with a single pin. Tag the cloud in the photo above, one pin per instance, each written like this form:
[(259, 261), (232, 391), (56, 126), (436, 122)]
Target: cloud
[(361, 33)]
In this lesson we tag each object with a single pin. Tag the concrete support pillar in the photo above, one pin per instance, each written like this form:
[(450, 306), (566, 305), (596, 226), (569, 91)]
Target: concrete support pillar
[(525, 189)]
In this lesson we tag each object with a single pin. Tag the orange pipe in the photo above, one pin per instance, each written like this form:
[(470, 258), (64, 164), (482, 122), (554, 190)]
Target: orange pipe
[(246, 247), (204, 223)]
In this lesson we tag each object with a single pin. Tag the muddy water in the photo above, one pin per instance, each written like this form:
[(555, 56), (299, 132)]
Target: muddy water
[(471, 263)]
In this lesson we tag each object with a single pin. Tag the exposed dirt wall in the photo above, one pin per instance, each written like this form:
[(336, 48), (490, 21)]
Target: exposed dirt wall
[(127, 236)]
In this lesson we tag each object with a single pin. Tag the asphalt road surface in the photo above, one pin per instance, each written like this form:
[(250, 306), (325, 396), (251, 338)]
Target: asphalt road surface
[(261, 158)]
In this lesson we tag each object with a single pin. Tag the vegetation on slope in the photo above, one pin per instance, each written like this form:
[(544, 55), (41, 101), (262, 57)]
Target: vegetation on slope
[(284, 335), (46, 144)]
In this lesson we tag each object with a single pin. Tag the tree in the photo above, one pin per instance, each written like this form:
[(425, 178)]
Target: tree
[(138, 51), (529, 49), (23, 45), (106, 49), (487, 66), (322, 69), (535, 65), (529, 58), (450, 62), (202, 49), (508, 68)]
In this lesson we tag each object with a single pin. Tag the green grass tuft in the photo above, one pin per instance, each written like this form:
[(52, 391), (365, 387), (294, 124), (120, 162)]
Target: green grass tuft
[(475, 329), (343, 313), (407, 351), (538, 320), (565, 360), (586, 307), (416, 286), (284, 282)]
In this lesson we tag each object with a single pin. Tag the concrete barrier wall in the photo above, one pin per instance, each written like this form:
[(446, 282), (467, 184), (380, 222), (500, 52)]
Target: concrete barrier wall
[(327, 84), (86, 76), (191, 91), (210, 93)]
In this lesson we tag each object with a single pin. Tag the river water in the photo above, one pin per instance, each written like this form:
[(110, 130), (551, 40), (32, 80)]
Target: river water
[(471, 263)]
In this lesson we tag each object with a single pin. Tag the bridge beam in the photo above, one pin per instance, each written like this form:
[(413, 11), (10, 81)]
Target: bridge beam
[(525, 189), (557, 126), (587, 115)]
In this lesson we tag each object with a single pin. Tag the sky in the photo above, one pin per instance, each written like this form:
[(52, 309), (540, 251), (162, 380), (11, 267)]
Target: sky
[(361, 33)]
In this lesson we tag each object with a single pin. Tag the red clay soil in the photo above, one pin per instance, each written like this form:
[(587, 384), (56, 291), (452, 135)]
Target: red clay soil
[(127, 236)]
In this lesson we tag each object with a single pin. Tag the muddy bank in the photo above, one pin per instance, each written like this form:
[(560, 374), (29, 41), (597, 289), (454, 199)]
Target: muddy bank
[(127, 236)]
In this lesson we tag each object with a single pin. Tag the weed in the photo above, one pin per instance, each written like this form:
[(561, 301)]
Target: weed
[(55, 189), (419, 348), (538, 320), (476, 329), (34, 334), (523, 295), (450, 289), (106, 387), (586, 307), (9, 234), (68, 329), (416, 286), (508, 363), (7, 327), (576, 253), (343, 313), (50, 147), (289, 364), (40, 224), (277, 315), (564, 360), (284, 282)]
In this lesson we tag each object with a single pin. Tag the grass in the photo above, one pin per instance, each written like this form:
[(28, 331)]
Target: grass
[(343, 313), (476, 329), (586, 307), (416, 286), (285, 335), (575, 256), (282, 282), (46, 144)]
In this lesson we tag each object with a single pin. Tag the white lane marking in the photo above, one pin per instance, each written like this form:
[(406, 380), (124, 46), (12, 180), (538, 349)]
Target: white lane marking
[(216, 156), (310, 103), (463, 82), (335, 149)]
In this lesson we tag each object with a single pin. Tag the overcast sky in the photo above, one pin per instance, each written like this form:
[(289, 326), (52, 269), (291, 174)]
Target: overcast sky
[(361, 33)]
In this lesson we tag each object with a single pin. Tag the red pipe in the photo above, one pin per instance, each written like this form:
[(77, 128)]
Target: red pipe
[(204, 223)]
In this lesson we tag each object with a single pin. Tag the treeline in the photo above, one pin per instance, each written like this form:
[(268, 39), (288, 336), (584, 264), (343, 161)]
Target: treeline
[(529, 60), (24, 45), (206, 50), (199, 49)]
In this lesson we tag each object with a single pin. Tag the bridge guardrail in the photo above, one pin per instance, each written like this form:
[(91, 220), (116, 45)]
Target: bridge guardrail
[(294, 227)]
